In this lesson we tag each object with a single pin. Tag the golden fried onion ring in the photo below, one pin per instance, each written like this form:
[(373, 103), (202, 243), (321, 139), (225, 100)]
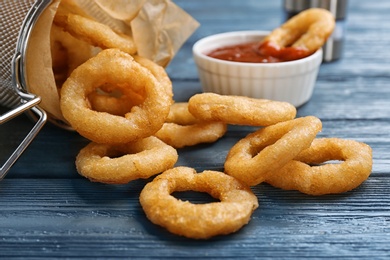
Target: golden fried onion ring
[(120, 164), (257, 156), (308, 172), (113, 102), (117, 68), (107, 99), (198, 221), (67, 53), (183, 129), (92, 32), (301, 35), (239, 110), (180, 114), (158, 71)]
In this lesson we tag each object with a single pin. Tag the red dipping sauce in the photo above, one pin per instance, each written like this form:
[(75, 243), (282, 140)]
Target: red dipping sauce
[(245, 52), (256, 52)]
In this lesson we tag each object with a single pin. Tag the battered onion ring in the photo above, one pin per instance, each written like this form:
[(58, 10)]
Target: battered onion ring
[(113, 104), (180, 136), (257, 156), (199, 221), (93, 32), (120, 164), (300, 36), (321, 179), (108, 98), (122, 104), (114, 67), (158, 71), (240, 110), (67, 53), (183, 129), (180, 114)]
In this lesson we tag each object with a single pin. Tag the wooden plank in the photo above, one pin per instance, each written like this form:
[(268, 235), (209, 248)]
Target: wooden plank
[(79, 218)]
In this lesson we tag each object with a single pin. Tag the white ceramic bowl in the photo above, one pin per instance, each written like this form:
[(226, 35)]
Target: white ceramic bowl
[(291, 81)]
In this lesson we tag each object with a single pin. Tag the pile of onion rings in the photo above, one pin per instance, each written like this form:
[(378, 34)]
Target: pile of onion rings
[(261, 153), (308, 173), (289, 156), (123, 103)]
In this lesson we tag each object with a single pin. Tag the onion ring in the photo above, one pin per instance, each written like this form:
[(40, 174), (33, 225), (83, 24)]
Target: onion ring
[(300, 36), (239, 110), (255, 157), (183, 129), (180, 136), (67, 54), (321, 179), (118, 68), (158, 71), (114, 103), (180, 114), (107, 100), (120, 164), (198, 221), (92, 32)]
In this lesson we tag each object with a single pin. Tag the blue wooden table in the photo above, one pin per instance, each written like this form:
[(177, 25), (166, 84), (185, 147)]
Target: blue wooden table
[(48, 210)]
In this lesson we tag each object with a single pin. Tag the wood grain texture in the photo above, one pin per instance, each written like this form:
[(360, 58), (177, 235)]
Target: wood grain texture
[(49, 211)]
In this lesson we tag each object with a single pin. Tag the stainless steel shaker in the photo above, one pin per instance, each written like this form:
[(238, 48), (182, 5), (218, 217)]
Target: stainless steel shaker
[(333, 48)]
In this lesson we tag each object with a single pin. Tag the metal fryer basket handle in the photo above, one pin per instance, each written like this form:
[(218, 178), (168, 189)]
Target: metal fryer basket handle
[(28, 102), (18, 18)]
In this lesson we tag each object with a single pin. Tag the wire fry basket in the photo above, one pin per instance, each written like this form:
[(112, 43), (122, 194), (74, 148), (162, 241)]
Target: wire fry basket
[(18, 17)]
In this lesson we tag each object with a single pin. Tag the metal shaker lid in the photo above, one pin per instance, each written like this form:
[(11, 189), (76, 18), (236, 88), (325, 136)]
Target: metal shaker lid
[(337, 7)]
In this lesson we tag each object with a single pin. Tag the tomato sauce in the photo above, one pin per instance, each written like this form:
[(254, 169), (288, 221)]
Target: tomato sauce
[(256, 52), (245, 52)]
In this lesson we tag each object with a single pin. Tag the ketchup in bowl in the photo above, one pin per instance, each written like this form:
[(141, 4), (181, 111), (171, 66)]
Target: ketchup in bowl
[(256, 52)]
